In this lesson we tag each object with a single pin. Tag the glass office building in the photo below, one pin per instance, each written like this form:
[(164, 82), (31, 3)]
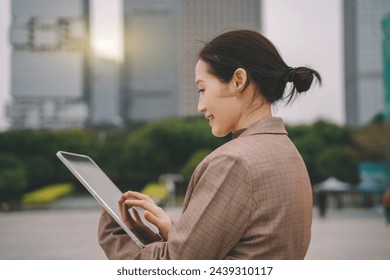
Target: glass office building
[(104, 98), (161, 42), (364, 80), (49, 80), (386, 63)]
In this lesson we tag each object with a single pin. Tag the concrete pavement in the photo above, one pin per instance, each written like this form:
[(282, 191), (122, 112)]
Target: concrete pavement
[(350, 234), (66, 233)]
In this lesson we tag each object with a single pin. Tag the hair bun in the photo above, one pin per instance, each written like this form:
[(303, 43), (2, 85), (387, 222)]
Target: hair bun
[(302, 79)]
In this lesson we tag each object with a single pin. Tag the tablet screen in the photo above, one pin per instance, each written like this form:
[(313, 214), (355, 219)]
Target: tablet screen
[(105, 191)]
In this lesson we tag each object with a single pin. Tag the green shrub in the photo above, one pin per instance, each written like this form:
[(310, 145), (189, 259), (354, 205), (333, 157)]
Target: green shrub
[(157, 191), (47, 194), (13, 180), (192, 163)]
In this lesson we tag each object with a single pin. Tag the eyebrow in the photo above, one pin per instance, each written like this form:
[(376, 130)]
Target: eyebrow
[(199, 81)]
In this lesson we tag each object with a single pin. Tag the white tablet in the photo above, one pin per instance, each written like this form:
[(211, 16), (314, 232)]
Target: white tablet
[(105, 192)]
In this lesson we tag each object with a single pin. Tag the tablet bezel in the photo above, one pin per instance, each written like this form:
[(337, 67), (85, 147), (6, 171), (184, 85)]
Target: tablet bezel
[(62, 156)]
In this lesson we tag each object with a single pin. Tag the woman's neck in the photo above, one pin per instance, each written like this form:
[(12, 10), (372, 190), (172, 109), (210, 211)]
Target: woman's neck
[(257, 111)]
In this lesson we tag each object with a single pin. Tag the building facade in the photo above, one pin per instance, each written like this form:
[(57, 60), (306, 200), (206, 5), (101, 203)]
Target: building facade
[(363, 38), (161, 42), (104, 99), (386, 64), (50, 67), (150, 86)]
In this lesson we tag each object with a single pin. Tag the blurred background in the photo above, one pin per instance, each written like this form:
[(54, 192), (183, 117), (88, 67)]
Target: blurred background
[(115, 80)]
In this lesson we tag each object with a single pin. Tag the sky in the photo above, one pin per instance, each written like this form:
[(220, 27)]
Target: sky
[(306, 32)]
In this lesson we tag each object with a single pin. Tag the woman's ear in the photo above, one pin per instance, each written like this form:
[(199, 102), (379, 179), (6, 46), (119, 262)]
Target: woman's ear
[(239, 80)]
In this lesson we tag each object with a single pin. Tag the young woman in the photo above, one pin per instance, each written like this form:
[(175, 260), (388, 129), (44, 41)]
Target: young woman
[(250, 198)]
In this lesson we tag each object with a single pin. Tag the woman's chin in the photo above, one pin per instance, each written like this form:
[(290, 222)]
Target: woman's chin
[(219, 133)]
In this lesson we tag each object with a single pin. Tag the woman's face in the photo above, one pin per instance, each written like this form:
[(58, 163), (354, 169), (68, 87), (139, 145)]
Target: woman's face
[(217, 101)]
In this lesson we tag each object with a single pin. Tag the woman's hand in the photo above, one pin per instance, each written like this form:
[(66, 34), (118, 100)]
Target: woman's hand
[(132, 219), (154, 214)]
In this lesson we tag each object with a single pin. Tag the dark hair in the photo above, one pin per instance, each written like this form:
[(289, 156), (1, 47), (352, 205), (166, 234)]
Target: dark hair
[(254, 53)]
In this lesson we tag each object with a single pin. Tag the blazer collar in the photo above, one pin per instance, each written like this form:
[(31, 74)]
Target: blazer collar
[(268, 125)]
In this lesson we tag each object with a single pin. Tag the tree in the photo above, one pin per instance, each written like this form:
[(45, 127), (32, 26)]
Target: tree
[(192, 163), (36, 150), (39, 170), (372, 142), (325, 149), (13, 180), (337, 162), (164, 147)]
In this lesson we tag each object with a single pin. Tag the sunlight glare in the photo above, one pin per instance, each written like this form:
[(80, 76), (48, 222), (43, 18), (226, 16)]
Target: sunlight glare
[(106, 49), (106, 29)]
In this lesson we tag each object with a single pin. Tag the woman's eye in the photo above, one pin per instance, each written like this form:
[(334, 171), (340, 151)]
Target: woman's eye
[(201, 90)]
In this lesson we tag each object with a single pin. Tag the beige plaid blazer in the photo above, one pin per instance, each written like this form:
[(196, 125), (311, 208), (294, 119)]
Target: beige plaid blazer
[(249, 199)]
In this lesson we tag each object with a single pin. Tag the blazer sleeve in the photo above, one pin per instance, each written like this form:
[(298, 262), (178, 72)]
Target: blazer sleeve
[(115, 242), (216, 215)]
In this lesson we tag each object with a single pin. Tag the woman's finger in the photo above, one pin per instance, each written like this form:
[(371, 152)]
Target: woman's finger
[(136, 215), (160, 220), (136, 195), (146, 205), (150, 217)]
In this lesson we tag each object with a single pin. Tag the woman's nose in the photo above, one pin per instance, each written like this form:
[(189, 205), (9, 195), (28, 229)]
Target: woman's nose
[(201, 107)]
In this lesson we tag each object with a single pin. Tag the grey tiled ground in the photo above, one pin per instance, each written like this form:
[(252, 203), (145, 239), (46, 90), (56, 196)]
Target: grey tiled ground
[(70, 233)]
